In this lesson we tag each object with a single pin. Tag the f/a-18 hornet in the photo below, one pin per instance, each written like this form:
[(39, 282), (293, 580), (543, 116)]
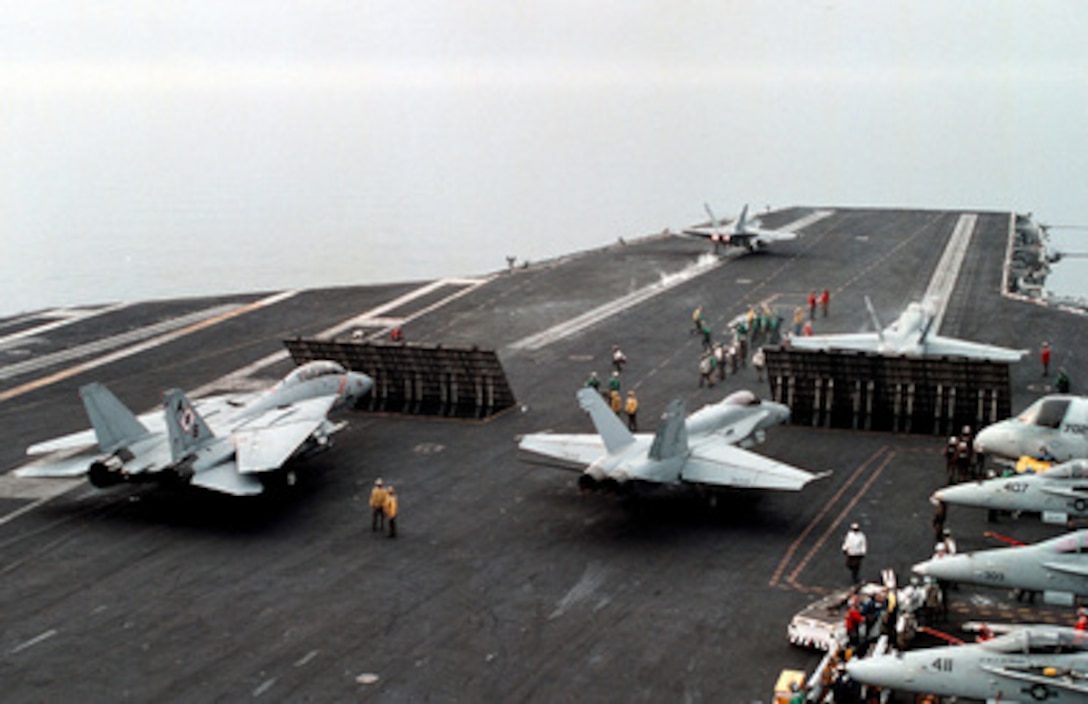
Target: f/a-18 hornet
[(1054, 427), (1058, 494), (698, 450), (742, 232), (911, 334), (1031, 663), (226, 446), (1057, 567)]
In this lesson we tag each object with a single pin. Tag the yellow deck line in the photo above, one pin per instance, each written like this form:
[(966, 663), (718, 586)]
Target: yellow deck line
[(143, 346)]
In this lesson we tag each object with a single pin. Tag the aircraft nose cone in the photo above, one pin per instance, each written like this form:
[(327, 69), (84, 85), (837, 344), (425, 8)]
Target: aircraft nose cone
[(880, 671), (996, 441), (359, 384)]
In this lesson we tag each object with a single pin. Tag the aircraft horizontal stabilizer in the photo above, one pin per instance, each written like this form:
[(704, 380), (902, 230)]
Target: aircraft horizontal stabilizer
[(71, 466), (75, 441), (729, 466), (567, 451), (226, 479)]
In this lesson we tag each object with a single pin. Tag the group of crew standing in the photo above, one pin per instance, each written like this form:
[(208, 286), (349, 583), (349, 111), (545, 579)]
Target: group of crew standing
[(612, 395)]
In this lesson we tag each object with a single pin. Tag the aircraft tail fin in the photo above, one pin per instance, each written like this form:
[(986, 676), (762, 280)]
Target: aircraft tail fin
[(742, 220), (615, 435), (671, 439), (929, 308), (187, 430), (715, 225), (115, 426), (876, 319)]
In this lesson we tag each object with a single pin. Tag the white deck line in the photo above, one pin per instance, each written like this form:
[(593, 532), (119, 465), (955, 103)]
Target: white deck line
[(61, 317), (147, 344), (943, 281), (373, 317), (702, 265), (110, 343)]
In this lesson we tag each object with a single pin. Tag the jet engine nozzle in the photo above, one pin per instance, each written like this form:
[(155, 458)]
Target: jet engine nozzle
[(106, 471)]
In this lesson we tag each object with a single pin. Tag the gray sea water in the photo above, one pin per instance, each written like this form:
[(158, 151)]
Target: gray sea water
[(211, 149)]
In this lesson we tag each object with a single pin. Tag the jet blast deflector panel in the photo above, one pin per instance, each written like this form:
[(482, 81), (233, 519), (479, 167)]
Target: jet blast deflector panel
[(419, 379), (858, 390)]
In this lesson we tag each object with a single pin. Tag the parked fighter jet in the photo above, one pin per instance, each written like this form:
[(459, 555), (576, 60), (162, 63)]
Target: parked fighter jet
[(225, 446), (1058, 494), (1057, 567), (1029, 663), (1055, 426), (742, 232), (696, 451), (911, 335)]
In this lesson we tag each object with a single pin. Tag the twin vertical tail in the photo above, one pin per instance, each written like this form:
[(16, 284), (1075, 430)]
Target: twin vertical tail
[(115, 426), (671, 439), (613, 432), (186, 429)]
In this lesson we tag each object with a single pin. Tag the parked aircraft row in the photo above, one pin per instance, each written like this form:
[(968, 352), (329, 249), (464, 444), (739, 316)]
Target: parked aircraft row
[(1027, 662)]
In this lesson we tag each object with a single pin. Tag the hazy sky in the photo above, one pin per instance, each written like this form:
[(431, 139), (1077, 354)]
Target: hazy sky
[(170, 148)]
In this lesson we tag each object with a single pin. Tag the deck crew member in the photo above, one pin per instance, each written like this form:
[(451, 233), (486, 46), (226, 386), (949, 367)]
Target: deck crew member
[(618, 358), (631, 408), (390, 507), (377, 506), (854, 547)]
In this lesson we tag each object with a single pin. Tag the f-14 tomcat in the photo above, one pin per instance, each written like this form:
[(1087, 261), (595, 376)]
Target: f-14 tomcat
[(698, 450), (1027, 664), (217, 444)]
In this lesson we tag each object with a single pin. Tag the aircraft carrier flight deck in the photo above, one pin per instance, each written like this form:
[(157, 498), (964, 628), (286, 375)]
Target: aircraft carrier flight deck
[(505, 582)]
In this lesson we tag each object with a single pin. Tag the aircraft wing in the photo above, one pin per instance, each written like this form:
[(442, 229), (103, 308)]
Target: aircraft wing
[(1063, 492), (860, 341), (566, 451), (227, 479), (773, 235), (735, 432), (1078, 570), (1070, 686), (264, 443), (938, 346), (63, 466), (720, 464)]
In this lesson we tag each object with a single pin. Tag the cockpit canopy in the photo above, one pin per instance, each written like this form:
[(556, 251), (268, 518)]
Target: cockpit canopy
[(1038, 641), (313, 370), (742, 398), (1045, 413)]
